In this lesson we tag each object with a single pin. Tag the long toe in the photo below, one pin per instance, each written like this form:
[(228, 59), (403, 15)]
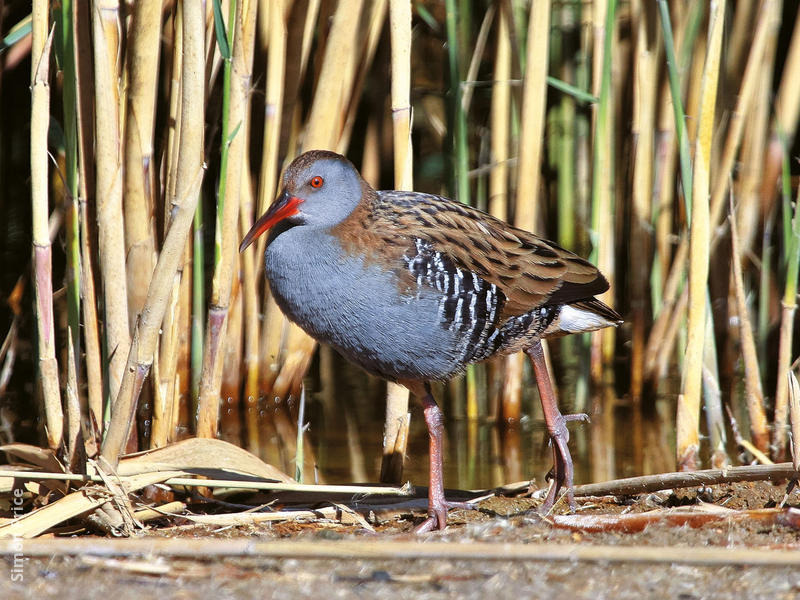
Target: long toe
[(556, 478), (563, 471), (582, 417), (437, 515)]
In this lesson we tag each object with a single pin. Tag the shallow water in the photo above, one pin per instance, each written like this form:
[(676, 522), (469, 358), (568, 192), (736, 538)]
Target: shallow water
[(483, 453), (344, 415)]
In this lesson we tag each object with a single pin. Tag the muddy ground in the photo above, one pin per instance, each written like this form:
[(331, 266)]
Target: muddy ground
[(714, 560)]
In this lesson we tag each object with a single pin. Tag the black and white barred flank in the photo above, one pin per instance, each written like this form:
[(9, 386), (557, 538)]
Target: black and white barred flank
[(471, 305)]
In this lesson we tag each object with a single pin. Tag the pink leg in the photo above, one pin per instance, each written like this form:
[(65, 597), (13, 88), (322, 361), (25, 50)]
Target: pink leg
[(557, 428), (437, 505)]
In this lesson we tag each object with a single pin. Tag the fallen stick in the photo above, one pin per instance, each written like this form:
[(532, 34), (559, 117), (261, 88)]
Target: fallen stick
[(666, 481), (362, 548)]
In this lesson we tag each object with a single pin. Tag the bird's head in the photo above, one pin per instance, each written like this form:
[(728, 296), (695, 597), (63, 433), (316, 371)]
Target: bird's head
[(320, 188)]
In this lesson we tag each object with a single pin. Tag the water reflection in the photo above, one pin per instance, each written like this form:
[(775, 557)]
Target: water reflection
[(345, 426), (484, 453)]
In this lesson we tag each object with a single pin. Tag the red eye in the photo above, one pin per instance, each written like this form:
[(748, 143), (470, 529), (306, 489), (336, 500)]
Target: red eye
[(316, 182)]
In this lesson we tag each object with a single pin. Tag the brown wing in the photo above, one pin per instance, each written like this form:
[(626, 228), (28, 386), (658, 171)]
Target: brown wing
[(529, 270)]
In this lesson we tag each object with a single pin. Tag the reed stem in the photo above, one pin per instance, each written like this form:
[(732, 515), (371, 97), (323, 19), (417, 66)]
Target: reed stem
[(42, 261)]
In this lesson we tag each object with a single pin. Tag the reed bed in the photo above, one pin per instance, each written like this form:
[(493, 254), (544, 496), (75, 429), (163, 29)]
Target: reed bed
[(656, 138)]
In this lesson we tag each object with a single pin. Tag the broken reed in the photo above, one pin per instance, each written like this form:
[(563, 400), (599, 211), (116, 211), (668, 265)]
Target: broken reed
[(622, 147)]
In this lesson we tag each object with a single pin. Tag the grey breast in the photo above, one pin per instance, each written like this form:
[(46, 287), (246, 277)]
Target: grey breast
[(360, 308)]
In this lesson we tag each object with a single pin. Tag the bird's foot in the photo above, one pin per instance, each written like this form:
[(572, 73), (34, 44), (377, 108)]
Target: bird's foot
[(553, 495), (561, 475), (437, 515), (582, 417)]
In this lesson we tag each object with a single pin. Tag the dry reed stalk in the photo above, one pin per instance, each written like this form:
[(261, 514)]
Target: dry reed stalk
[(396, 427), (322, 131), (603, 172), (500, 146), (225, 269), (712, 395), (794, 412), (733, 138), (528, 184), (77, 108), (271, 331), (300, 18), (74, 442), (740, 39), (751, 181), (500, 119), (788, 309), (214, 60), (477, 58), (754, 102), (180, 317), (169, 374), (173, 131), (583, 128), (644, 96), (753, 147), (398, 419), (145, 338), (110, 234), (474, 554), (273, 114), (165, 367), (311, 15), (598, 16), (787, 111), (91, 336), (371, 158), (787, 100), (765, 26), (532, 121), (694, 87), (42, 252), (250, 278), (326, 120), (188, 178), (231, 377), (250, 275), (139, 175), (467, 86), (672, 144), (666, 155), (144, 45), (84, 119), (373, 27), (688, 417), (182, 386), (754, 395), (749, 207)]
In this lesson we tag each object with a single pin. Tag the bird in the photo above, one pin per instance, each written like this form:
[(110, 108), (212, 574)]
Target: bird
[(414, 287)]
